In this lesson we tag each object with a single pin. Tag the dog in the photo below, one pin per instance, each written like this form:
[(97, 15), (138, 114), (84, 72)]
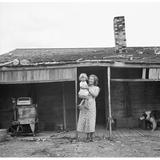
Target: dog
[(153, 116)]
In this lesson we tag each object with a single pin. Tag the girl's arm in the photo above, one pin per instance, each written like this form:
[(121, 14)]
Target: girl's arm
[(84, 87), (83, 97)]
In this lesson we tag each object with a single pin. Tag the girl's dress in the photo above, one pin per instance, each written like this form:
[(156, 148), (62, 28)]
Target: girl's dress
[(83, 91)]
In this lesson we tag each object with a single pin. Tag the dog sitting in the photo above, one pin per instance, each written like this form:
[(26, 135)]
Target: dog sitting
[(152, 116)]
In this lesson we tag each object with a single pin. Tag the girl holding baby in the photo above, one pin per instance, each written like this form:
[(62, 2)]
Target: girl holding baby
[(87, 116)]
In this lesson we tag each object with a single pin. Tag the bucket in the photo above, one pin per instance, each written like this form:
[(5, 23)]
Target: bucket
[(3, 135)]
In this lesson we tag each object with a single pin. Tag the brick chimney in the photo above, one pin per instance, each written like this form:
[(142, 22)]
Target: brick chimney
[(119, 34)]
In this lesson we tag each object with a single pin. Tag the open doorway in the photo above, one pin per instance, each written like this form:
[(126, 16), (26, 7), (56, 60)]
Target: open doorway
[(101, 101)]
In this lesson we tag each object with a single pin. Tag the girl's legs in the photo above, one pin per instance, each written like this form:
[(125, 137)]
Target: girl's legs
[(91, 136), (88, 136), (81, 103)]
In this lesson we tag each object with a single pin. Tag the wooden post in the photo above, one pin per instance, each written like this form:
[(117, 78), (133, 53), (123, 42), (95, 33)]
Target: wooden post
[(109, 101), (76, 109), (144, 73), (14, 109), (106, 100), (64, 107)]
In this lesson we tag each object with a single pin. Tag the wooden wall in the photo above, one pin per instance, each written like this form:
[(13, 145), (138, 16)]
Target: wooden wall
[(69, 92), (27, 76), (130, 73), (129, 100), (48, 96), (50, 110), (50, 105)]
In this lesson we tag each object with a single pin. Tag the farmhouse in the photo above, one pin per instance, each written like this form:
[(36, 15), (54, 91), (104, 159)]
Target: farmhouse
[(128, 80), (129, 83)]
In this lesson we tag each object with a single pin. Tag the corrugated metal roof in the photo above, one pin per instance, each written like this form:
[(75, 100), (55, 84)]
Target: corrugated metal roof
[(52, 56)]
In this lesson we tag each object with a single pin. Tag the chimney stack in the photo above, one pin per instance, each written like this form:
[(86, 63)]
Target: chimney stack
[(119, 34)]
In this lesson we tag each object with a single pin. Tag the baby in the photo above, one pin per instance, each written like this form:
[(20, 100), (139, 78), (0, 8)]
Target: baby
[(83, 89)]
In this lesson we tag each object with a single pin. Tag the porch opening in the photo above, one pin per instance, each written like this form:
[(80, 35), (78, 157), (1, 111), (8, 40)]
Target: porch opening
[(50, 98), (131, 95)]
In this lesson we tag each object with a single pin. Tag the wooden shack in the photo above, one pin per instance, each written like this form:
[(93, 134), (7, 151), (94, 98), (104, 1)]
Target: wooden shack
[(50, 77)]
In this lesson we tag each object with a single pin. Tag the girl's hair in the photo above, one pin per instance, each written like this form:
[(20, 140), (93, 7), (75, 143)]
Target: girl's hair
[(95, 79), (83, 75)]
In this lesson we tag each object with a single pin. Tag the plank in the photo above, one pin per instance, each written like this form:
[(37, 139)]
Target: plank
[(83, 64), (144, 73), (106, 100), (135, 80), (64, 107), (109, 100), (76, 109)]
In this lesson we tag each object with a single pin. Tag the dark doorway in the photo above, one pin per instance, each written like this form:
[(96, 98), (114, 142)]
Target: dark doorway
[(101, 72)]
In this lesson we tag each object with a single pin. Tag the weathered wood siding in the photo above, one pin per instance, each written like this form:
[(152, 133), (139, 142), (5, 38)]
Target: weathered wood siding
[(50, 110), (130, 73), (69, 96), (142, 96), (26, 76), (50, 105), (48, 96)]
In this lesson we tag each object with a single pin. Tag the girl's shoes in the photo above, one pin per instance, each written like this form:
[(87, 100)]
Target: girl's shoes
[(91, 139)]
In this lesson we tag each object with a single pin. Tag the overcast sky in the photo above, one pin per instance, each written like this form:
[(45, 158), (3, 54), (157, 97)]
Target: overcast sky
[(36, 25)]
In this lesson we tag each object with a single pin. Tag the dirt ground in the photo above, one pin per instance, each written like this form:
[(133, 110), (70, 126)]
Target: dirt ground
[(65, 145)]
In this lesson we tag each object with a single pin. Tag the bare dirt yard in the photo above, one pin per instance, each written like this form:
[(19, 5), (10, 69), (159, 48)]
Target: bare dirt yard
[(65, 145)]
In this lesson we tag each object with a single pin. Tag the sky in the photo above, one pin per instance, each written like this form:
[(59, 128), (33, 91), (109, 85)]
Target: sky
[(80, 24)]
